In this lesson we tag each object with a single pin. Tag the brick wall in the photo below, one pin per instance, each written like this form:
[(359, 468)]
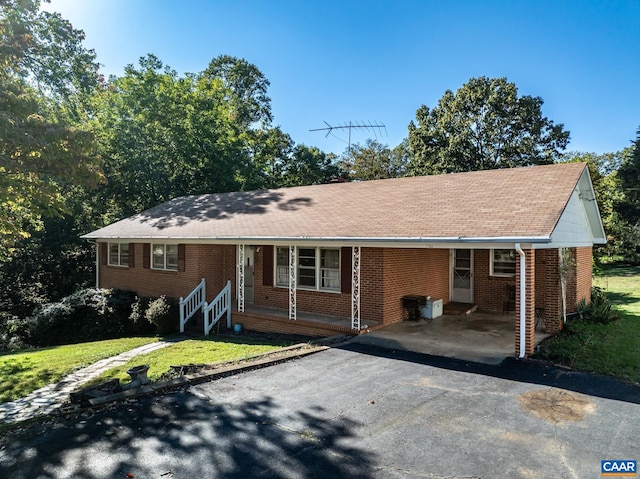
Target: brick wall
[(272, 324), (331, 303), (423, 272), (579, 284), (490, 292), (584, 273), (385, 276), (215, 263), (548, 292)]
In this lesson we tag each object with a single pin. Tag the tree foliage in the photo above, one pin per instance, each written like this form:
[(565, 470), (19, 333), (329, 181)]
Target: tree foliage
[(45, 75), (484, 125), (164, 136), (246, 88), (629, 173), (375, 161), (306, 165)]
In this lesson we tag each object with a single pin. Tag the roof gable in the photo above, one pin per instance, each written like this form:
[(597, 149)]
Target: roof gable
[(510, 203)]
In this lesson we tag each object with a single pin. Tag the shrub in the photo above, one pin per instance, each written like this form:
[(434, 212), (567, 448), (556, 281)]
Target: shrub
[(598, 310), (87, 315), (162, 313), (13, 332)]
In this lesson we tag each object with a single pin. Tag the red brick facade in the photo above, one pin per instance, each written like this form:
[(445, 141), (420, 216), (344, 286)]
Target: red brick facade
[(215, 263), (386, 276), (489, 292)]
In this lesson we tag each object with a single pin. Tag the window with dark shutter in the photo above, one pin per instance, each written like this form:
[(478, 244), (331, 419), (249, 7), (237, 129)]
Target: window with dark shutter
[(267, 265), (181, 257), (345, 270), (146, 255), (104, 247)]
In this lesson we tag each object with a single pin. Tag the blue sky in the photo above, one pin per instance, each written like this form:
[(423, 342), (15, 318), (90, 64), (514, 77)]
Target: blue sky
[(378, 61)]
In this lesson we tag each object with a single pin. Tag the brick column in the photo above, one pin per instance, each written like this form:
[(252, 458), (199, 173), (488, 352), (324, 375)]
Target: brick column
[(552, 293), (530, 302)]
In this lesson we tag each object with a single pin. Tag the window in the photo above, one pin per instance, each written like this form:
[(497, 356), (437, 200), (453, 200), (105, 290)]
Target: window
[(164, 256), (503, 262), (317, 268), (119, 254), (282, 267), (330, 269), (307, 267)]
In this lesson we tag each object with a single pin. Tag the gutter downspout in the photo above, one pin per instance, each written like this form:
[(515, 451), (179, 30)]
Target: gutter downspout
[(93, 242), (523, 300)]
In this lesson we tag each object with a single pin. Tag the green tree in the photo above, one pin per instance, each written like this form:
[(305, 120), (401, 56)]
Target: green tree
[(484, 125), (306, 165), (629, 173), (270, 148), (375, 161), (164, 136), (628, 206), (45, 76), (603, 170), (246, 88)]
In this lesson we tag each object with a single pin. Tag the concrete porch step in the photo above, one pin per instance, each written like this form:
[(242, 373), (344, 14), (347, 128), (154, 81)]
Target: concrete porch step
[(457, 309)]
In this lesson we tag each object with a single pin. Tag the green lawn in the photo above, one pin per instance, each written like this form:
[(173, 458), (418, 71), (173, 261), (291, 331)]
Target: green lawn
[(611, 349), (194, 351), (26, 371)]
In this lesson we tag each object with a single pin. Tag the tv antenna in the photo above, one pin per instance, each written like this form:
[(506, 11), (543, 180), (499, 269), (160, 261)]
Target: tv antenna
[(376, 127)]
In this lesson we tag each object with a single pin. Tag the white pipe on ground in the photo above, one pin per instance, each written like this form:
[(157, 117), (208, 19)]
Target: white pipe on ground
[(523, 300)]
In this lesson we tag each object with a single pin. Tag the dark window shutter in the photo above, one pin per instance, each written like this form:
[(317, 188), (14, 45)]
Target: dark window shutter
[(104, 251), (146, 255), (181, 255), (267, 265), (132, 255), (345, 270)]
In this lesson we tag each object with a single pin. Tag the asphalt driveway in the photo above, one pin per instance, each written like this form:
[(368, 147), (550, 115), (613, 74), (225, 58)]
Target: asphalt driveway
[(351, 412)]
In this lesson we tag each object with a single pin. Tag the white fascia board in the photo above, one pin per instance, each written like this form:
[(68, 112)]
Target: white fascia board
[(440, 243)]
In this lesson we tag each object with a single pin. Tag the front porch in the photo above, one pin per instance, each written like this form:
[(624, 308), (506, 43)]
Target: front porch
[(275, 320)]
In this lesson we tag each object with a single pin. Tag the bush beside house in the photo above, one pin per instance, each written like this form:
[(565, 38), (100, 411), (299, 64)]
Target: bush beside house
[(89, 315)]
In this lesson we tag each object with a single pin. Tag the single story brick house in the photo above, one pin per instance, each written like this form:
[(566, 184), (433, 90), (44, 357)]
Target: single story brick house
[(494, 239)]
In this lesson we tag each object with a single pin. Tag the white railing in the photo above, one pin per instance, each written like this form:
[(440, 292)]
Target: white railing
[(192, 303), (218, 307)]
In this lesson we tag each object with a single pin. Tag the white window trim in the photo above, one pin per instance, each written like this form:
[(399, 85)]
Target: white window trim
[(119, 264), (501, 275), (318, 270), (164, 257)]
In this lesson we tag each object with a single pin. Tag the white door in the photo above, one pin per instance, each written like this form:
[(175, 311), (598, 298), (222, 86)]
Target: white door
[(462, 276), (248, 274)]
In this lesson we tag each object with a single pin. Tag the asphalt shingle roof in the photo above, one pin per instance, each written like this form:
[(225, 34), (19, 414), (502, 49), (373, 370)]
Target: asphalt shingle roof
[(518, 202)]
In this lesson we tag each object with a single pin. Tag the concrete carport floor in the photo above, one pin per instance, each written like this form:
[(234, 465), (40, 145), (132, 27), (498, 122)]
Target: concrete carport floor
[(480, 336)]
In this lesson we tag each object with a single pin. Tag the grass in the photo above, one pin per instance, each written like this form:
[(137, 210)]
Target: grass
[(24, 372), (193, 351), (611, 349)]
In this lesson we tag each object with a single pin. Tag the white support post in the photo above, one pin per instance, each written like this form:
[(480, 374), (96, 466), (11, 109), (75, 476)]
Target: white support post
[(292, 282), (228, 303), (182, 320), (97, 265), (355, 288), (241, 278)]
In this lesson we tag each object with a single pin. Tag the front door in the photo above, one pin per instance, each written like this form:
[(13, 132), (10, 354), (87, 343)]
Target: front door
[(248, 274), (462, 276)]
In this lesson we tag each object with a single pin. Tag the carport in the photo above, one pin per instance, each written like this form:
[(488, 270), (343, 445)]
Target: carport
[(479, 336)]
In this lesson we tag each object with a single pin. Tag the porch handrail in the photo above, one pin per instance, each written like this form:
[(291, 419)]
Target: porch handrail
[(192, 303), (217, 308)]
